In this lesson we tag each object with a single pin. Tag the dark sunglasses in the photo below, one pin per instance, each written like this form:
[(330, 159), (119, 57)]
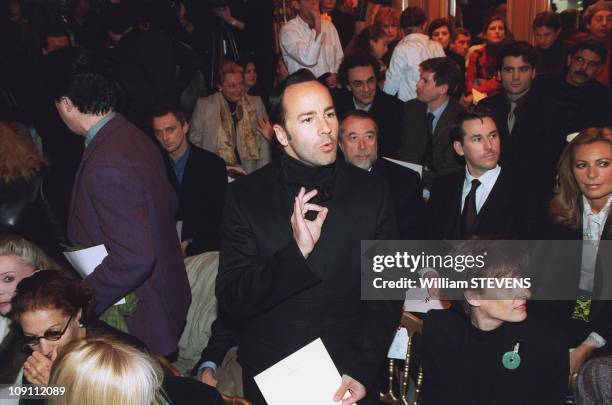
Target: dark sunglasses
[(50, 335)]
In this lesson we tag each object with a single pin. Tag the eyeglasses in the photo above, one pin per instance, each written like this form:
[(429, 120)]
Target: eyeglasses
[(50, 335)]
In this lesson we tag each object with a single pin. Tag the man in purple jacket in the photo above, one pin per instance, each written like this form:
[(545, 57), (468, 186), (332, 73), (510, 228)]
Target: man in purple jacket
[(121, 198)]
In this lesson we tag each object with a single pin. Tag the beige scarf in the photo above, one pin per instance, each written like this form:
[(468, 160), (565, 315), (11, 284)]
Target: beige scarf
[(246, 133)]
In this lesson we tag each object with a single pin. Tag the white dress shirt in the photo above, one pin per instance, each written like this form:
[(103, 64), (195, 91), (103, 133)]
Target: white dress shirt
[(487, 181), (302, 48), (403, 72)]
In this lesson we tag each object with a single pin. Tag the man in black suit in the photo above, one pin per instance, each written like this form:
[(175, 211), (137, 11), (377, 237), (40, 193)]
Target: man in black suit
[(358, 142), (584, 101), (199, 178), (482, 199), (428, 118), (530, 127), (289, 267), (358, 74)]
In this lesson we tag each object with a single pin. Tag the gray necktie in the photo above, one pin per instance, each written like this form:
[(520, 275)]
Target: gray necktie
[(511, 117)]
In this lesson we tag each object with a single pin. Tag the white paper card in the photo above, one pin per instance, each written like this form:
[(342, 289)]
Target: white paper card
[(85, 261), (418, 300), (413, 166), (305, 377), (179, 229), (399, 346)]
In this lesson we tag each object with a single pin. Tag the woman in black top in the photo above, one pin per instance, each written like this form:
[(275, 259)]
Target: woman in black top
[(486, 350)]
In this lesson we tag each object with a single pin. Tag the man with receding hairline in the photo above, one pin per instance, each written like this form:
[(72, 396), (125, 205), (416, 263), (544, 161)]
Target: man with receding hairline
[(289, 268)]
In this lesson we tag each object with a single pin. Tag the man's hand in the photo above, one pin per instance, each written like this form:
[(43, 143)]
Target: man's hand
[(332, 80), (184, 245), (315, 13), (224, 13), (265, 128), (306, 233), (207, 376), (354, 387), (579, 356), (38, 367)]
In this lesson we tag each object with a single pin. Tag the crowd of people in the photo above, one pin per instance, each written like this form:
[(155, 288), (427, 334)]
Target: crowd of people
[(232, 189)]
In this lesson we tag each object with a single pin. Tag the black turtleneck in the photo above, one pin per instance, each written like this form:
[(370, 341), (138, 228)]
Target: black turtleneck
[(299, 174)]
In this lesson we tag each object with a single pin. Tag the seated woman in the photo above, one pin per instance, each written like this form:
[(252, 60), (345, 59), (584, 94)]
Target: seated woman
[(440, 31), (481, 73), (486, 350), (18, 259), (580, 211), (104, 371), (53, 309)]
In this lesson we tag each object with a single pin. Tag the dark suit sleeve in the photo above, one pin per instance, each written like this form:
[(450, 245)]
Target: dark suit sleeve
[(222, 338), (248, 284), (128, 236), (380, 317), (411, 209), (206, 232)]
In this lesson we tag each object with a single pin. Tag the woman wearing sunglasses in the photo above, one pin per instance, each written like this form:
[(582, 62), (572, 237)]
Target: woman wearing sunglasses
[(52, 308)]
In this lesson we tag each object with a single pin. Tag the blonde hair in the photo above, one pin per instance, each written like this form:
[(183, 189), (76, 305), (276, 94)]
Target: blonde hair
[(226, 68), (101, 371), (566, 205), (19, 158), (386, 15), (26, 251)]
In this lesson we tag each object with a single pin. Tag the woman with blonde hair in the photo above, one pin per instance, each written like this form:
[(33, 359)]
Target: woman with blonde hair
[(23, 208), (579, 211), (387, 20), (104, 371)]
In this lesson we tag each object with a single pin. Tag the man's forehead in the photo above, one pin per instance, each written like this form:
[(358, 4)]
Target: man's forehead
[(515, 61), (588, 55), (164, 121), (479, 126), (358, 124), (304, 97), (233, 77)]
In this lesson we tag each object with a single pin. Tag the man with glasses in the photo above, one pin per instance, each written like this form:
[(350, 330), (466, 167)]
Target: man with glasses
[(358, 75), (584, 101)]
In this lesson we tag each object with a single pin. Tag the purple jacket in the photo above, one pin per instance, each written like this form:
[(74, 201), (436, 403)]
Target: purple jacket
[(121, 198)]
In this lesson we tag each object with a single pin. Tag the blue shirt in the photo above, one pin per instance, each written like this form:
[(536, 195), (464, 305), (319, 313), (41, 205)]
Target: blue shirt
[(180, 164), (437, 114), (97, 127)]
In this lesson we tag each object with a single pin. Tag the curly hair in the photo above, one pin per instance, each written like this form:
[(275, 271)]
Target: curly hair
[(19, 158), (566, 204)]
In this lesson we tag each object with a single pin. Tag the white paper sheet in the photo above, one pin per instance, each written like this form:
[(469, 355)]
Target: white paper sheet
[(399, 346), (179, 229), (85, 261), (306, 377), (413, 166)]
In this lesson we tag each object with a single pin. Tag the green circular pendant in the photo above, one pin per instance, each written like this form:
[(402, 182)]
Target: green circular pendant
[(511, 360)]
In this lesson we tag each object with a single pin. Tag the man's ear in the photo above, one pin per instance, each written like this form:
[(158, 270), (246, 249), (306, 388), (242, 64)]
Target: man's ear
[(444, 88), (472, 298), (186, 126), (568, 61), (65, 104), (458, 148), (281, 135)]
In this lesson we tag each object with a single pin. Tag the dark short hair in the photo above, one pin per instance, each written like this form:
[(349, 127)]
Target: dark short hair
[(163, 109), (548, 19), (516, 49), (74, 73), (437, 23), (277, 108), (471, 113), (364, 115), (356, 60), (446, 71), (459, 31), (51, 289), (590, 44), (412, 16)]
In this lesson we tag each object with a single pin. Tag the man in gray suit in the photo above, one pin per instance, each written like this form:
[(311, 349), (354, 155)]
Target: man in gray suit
[(123, 200), (427, 120)]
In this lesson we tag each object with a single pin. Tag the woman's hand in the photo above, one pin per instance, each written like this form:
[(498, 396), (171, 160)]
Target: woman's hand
[(38, 367), (579, 356)]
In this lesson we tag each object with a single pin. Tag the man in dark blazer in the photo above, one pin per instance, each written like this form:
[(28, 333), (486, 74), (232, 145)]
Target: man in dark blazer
[(199, 178), (531, 127), (358, 74), (289, 267), (123, 200), (482, 199), (358, 142), (427, 120)]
